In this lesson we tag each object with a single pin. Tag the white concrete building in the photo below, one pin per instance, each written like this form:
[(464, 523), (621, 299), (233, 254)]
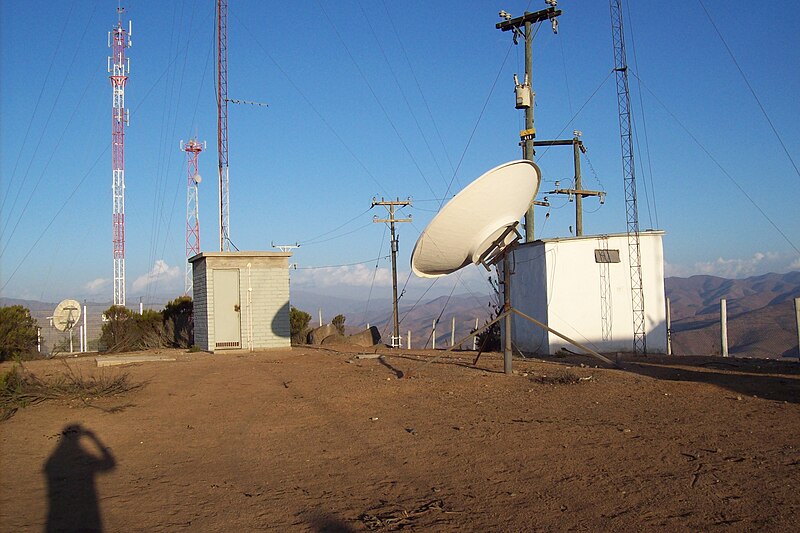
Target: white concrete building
[(581, 287), (241, 300)]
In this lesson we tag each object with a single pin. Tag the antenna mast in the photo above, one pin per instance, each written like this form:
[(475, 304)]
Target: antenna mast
[(118, 65), (222, 125), (192, 149), (629, 177)]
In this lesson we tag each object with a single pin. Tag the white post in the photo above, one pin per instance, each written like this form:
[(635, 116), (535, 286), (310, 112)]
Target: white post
[(797, 321), (141, 306), (70, 340), (475, 338), (38, 339), (408, 344), (433, 335), (723, 326), (80, 338), (669, 329), (320, 317), (85, 331), (453, 331)]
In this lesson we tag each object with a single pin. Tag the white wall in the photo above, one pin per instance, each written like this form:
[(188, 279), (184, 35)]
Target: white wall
[(558, 282)]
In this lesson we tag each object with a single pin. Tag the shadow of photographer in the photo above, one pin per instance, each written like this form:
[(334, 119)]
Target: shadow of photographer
[(70, 470)]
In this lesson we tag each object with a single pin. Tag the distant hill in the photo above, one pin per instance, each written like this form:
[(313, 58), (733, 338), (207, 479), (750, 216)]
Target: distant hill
[(760, 312)]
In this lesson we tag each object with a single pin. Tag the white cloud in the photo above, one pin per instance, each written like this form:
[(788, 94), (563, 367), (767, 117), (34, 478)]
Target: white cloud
[(161, 273), (759, 263), (352, 275), (97, 285)]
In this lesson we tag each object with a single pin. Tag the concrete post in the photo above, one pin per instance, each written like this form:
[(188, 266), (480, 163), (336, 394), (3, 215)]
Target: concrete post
[(723, 326), (453, 331), (475, 338), (433, 334), (797, 322), (408, 344), (669, 329)]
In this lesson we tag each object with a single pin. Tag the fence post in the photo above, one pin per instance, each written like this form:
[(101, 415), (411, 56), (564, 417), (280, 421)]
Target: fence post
[(475, 338), (453, 331), (669, 329), (797, 322), (320, 317), (408, 344), (433, 335), (723, 326)]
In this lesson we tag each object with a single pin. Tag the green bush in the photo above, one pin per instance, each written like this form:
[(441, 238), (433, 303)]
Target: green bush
[(338, 323), (18, 332), (298, 325), (179, 322)]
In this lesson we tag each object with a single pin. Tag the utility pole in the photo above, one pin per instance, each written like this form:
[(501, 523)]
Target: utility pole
[(522, 27), (578, 192), (391, 205)]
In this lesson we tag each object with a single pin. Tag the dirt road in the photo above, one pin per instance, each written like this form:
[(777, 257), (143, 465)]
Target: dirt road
[(312, 440)]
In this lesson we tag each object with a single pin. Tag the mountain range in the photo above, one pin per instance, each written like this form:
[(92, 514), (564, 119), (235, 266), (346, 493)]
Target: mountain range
[(760, 311)]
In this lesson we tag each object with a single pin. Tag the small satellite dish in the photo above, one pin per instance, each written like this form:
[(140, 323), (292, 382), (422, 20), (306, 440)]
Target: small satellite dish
[(66, 315), (479, 223), (197, 178)]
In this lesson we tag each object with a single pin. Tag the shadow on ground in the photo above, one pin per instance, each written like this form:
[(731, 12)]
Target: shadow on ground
[(73, 503)]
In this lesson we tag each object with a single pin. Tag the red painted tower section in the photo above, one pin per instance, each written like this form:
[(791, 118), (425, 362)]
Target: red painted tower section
[(192, 149), (118, 65)]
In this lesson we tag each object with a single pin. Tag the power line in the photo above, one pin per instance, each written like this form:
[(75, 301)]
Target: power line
[(719, 165), (343, 264), (752, 91)]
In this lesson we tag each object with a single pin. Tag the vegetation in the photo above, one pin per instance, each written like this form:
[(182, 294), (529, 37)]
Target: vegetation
[(298, 325), (124, 330), (338, 323), (20, 388), (179, 322), (18, 332)]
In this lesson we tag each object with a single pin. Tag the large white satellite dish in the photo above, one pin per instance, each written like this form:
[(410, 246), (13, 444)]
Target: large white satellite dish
[(479, 223), (66, 315)]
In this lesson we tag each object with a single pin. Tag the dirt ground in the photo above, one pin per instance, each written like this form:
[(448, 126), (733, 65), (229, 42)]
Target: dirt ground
[(315, 440)]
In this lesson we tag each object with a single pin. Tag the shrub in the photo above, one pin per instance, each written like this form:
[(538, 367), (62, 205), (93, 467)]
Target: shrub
[(338, 323), (298, 325), (18, 332), (179, 322)]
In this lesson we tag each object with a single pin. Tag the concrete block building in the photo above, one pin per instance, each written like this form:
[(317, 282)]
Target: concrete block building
[(581, 287), (241, 300)]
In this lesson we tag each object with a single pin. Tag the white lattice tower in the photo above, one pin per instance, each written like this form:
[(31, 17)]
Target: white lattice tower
[(192, 149), (118, 66)]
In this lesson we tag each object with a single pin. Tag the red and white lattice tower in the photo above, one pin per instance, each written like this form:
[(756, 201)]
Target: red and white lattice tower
[(118, 65), (192, 149)]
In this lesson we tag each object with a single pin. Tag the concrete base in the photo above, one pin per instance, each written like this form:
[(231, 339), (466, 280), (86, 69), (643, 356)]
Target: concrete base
[(116, 360)]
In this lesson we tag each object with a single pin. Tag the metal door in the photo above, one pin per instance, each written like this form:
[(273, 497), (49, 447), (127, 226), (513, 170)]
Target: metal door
[(227, 310)]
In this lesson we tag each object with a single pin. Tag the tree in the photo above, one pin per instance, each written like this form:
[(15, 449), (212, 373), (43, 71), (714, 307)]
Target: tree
[(298, 324), (18, 332), (179, 322), (338, 323), (118, 329)]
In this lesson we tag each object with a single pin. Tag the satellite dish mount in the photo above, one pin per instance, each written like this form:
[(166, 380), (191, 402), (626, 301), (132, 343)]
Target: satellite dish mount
[(479, 226)]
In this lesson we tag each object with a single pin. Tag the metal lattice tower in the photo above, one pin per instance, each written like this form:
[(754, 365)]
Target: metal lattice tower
[(192, 149), (222, 125), (629, 177), (118, 65)]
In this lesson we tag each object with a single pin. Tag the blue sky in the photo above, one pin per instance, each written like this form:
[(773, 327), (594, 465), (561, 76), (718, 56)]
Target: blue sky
[(392, 99)]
